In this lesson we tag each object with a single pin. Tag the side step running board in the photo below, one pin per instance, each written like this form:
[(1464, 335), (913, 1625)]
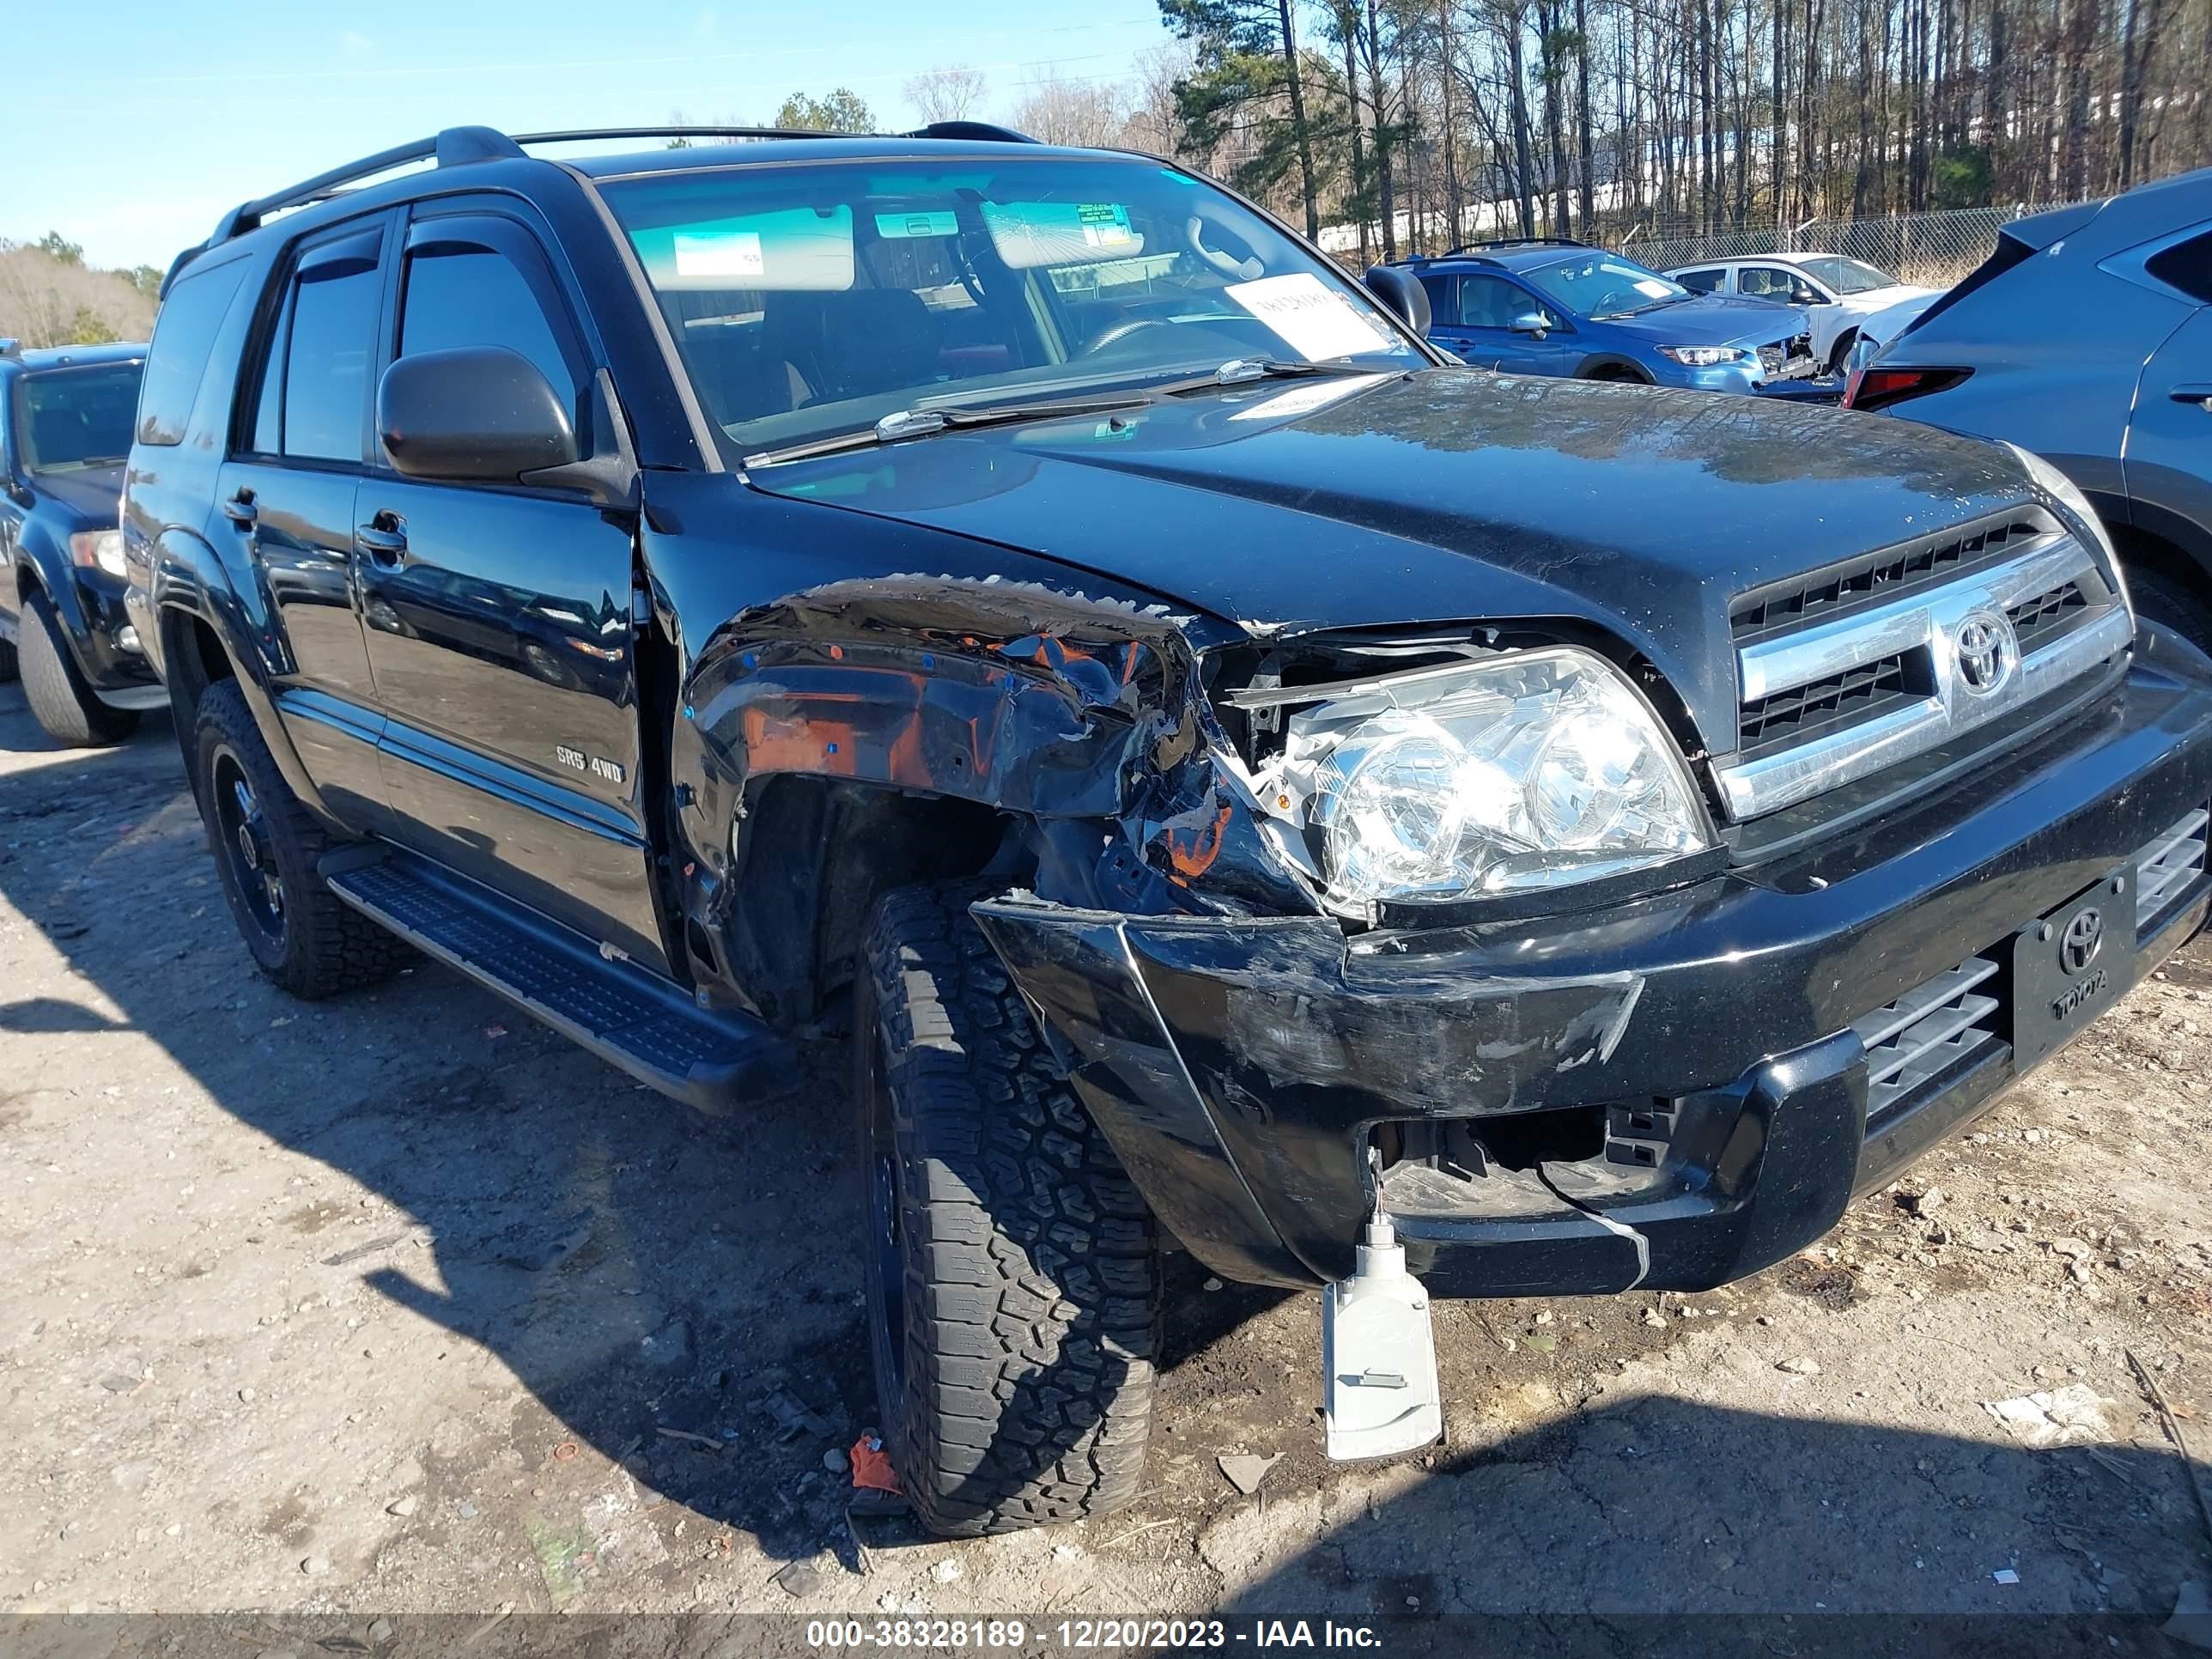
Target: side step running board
[(626, 1016)]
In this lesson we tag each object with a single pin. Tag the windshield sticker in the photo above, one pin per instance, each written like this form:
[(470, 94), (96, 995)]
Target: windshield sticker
[(1305, 399), (1314, 320), (719, 253), (1028, 234), (796, 248), (1651, 288), (894, 226)]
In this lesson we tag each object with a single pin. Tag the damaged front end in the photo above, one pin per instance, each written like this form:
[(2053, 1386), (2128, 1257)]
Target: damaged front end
[(1561, 1037)]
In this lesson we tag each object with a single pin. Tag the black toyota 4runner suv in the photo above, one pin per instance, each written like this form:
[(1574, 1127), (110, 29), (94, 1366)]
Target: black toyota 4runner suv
[(1255, 783)]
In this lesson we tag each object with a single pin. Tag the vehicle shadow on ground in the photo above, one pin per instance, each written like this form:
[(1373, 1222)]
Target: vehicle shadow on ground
[(682, 1296), (663, 1285), (1662, 1504)]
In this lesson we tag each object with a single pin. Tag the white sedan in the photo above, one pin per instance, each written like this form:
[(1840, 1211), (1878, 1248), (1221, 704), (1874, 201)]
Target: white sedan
[(1838, 294)]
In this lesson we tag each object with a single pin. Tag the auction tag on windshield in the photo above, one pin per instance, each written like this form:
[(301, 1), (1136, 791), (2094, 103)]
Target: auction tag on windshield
[(1314, 320), (719, 253), (1653, 290)]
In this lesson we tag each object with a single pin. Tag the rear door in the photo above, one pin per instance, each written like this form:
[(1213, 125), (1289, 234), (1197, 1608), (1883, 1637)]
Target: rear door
[(2169, 448), (499, 617), (285, 498)]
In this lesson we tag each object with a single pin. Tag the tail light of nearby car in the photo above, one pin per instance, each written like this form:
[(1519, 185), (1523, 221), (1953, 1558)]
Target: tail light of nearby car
[(1879, 387)]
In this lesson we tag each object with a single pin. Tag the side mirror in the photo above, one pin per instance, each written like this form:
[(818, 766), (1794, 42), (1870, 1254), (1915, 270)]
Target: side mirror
[(1805, 297), (1531, 323), (475, 414), (1401, 294)]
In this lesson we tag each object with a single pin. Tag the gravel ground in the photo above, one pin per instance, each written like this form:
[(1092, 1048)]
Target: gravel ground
[(398, 1302)]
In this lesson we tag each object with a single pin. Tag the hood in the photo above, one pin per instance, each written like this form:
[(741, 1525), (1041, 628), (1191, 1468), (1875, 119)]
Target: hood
[(1875, 300), (1448, 495), (94, 494), (1713, 320)]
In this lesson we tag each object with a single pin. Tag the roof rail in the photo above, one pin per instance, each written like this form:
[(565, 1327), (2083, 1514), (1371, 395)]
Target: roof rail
[(462, 146), (1517, 242), (580, 135)]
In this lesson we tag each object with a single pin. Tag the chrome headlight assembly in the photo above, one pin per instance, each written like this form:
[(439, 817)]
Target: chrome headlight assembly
[(2068, 495), (1513, 774)]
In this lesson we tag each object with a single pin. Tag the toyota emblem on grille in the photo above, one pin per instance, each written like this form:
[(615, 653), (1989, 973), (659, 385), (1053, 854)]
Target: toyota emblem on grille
[(1986, 648), (2084, 938)]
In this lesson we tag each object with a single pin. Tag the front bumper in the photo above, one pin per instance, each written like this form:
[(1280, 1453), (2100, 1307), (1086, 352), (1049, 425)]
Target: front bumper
[(1250, 1071), (103, 634)]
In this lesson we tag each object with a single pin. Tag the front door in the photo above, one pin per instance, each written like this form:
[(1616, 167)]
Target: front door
[(499, 621)]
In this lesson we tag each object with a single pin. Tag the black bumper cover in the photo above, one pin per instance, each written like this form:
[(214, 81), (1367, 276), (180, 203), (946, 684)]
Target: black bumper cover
[(1239, 1066)]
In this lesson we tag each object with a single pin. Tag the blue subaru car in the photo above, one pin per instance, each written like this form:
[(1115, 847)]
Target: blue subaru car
[(1545, 305)]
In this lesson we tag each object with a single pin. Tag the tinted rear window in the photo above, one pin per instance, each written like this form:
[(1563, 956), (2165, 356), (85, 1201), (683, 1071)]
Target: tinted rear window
[(184, 334), (2187, 266), (333, 335)]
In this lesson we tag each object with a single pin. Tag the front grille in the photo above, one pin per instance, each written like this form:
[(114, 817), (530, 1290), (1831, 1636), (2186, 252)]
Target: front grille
[(1919, 1044), (1853, 673), (1771, 357), (1878, 578), (1848, 699), (2048, 615), (2168, 869)]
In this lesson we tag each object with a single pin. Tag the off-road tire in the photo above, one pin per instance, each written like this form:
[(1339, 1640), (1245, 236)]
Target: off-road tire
[(2166, 601), (1014, 1364), (65, 707), (322, 946)]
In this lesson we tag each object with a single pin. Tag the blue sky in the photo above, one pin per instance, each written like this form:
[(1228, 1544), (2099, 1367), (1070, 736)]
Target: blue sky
[(170, 112)]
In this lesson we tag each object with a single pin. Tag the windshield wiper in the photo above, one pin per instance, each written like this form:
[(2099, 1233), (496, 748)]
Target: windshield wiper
[(922, 422), (927, 420), (1237, 370)]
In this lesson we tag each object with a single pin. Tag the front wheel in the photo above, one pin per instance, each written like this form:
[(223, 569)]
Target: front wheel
[(1013, 1281), (2184, 609), (62, 699)]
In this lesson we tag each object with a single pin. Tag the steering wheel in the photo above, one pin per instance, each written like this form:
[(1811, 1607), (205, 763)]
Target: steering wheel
[(1119, 332)]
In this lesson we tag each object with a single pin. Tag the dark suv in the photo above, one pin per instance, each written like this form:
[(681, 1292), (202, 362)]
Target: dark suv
[(1250, 781), (64, 429)]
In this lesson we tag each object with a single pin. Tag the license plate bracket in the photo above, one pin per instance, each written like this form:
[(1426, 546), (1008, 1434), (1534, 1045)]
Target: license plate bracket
[(2071, 966)]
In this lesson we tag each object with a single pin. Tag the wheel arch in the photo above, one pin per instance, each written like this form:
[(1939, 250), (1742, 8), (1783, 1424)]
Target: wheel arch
[(206, 632), (1613, 366), (874, 733)]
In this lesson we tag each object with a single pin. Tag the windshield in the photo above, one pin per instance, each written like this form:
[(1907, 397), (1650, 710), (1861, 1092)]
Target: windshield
[(1842, 276), (812, 300), (1600, 285), (70, 419)]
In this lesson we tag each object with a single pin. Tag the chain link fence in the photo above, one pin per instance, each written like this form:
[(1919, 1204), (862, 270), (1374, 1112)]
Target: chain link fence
[(1935, 248)]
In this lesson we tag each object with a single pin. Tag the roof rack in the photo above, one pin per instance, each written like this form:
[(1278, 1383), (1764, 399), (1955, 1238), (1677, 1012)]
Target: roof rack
[(463, 146), (1516, 241)]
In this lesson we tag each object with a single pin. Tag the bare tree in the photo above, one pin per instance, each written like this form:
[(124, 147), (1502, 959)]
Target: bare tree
[(1058, 110), (953, 92)]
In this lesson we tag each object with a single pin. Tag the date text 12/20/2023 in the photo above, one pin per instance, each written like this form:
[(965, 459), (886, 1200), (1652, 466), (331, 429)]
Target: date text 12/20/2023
[(1086, 1635)]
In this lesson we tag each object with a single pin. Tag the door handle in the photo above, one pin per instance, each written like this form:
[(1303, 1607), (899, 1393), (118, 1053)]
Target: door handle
[(240, 510), (2196, 391), (383, 537)]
